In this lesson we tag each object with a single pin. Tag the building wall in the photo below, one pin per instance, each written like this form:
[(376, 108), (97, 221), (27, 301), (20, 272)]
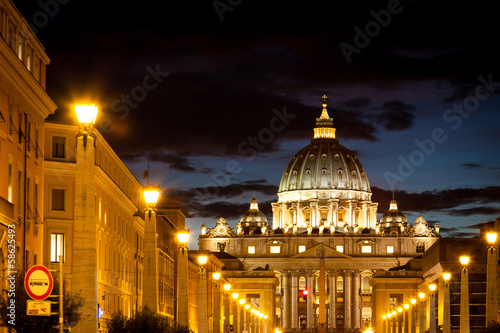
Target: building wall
[(24, 105), (118, 220)]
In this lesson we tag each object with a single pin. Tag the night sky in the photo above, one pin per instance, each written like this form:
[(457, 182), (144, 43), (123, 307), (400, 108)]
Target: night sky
[(218, 96)]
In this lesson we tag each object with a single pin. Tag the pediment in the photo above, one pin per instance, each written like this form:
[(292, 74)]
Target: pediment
[(321, 251)]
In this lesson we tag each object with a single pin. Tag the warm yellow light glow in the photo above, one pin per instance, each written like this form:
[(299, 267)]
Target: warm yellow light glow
[(202, 260), (86, 114), (252, 310), (384, 317), (242, 301), (406, 306), (261, 315), (265, 316), (421, 295), (257, 312), (235, 295), (277, 330), (446, 276), (413, 301), (432, 287), (394, 313), (216, 275), (151, 194), (464, 260), (227, 287), (491, 237), (183, 237), (247, 306), (389, 315), (400, 309)]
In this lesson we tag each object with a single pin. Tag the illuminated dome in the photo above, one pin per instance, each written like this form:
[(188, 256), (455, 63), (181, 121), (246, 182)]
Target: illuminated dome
[(325, 184), (253, 217), (393, 221)]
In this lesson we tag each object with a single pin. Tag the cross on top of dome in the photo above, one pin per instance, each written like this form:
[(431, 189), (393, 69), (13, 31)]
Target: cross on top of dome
[(324, 124)]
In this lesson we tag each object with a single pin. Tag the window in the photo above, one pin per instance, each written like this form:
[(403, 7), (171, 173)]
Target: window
[(57, 199), (251, 249), (302, 248), (56, 247), (58, 143), (10, 195), (390, 248), (366, 249), (420, 248), (340, 248), (20, 126), (275, 249), (340, 284)]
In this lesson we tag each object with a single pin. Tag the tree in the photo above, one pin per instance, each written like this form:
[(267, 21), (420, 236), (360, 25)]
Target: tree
[(38, 324), (144, 320)]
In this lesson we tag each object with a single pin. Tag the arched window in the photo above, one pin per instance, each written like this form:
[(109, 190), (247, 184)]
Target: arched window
[(365, 284)]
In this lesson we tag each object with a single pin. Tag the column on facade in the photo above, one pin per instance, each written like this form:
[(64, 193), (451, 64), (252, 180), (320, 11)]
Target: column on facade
[(283, 214), (294, 313), (295, 212), (310, 299), (356, 300), (353, 205), (286, 300), (276, 215), (333, 290), (348, 299), (364, 213)]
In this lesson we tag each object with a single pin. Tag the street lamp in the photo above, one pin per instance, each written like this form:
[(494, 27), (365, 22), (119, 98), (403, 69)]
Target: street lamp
[(86, 115), (227, 287), (183, 279), (413, 301), (406, 307), (151, 281), (202, 296), (216, 303), (464, 296), (491, 278), (235, 312), (400, 320), (432, 299), (384, 321), (421, 321), (446, 305)]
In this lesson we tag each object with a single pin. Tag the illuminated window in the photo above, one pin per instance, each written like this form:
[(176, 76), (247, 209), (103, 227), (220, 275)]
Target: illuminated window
[(390, 248), (58, 143), (275, 249), (340, 284), (340, 248), (251, 249), (56, 247), (57, 199), (302, 248), (366, 249)]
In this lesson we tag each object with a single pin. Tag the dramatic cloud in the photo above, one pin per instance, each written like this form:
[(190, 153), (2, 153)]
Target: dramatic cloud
[(396, 116)]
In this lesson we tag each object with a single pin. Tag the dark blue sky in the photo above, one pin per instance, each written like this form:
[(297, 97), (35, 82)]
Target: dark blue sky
[(218, 96)]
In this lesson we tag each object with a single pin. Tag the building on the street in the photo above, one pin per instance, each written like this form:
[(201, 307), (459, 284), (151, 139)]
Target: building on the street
[(324, 238), (24, 106)]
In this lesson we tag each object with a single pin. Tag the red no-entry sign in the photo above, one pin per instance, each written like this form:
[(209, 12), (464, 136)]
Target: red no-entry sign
[(38, 282)]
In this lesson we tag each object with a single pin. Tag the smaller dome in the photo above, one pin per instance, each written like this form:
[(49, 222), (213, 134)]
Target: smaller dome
[(393, 221), (253, 217)]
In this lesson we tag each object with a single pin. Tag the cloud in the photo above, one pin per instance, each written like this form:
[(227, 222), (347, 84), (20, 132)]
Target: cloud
[(396, 116), (472, 166)]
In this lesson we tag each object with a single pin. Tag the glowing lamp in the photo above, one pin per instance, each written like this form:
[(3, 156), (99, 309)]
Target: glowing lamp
[(247, 306), (265, 316), (227, 287), (446, 276), (432, 287), (151, 194), (394, 313), (252, 310), (421, 296), (491, 237), (216, 275), (242, 301), (464, 260), (235, 295), (406, 306), (389, 315), (183, 237), (400, 310), (413, 301), (202, 260), (86, 114)]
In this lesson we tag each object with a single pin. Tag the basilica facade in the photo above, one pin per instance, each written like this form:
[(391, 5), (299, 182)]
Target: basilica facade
[(325, 242)]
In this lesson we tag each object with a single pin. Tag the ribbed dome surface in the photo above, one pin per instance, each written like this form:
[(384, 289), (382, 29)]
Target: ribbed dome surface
[(324, 164), (393, 217), (253, 217)]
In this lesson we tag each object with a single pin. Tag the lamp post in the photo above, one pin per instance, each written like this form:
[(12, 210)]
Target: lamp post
[(406, 307), (432, 305), (491, 279), (384, 319), (400, 320), (413, 301), (202, 296), (394, 321), (217, 305), (464, 296), (421, 321), (85, 216), (150, 286), (227, 322), (245, 320), (388, 327), (446, 303), (183, 279), (236, 328)]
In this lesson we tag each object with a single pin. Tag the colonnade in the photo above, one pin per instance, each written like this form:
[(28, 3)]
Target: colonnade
[(342, 300), (354, 213)]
